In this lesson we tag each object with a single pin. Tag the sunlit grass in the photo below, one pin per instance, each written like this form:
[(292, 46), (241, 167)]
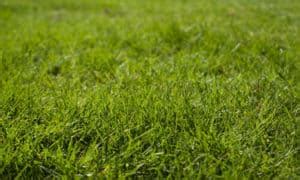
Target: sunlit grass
[(162, 88)]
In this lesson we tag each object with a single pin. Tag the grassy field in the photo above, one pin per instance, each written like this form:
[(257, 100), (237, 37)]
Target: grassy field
[(160, 88)]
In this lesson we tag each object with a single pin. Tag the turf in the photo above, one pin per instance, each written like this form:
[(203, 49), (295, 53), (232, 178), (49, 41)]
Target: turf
[(154, 89)]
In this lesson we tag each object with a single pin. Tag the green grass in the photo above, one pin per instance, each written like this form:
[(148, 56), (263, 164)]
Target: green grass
[(160, 88)]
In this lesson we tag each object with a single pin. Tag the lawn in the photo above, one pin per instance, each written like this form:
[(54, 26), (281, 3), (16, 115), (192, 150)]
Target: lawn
[(155, 89)]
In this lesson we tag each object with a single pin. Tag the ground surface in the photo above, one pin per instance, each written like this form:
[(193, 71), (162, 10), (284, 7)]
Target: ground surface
[(158, 88)]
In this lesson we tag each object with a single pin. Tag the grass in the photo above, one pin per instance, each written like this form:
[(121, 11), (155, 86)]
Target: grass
[(161, 88)]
